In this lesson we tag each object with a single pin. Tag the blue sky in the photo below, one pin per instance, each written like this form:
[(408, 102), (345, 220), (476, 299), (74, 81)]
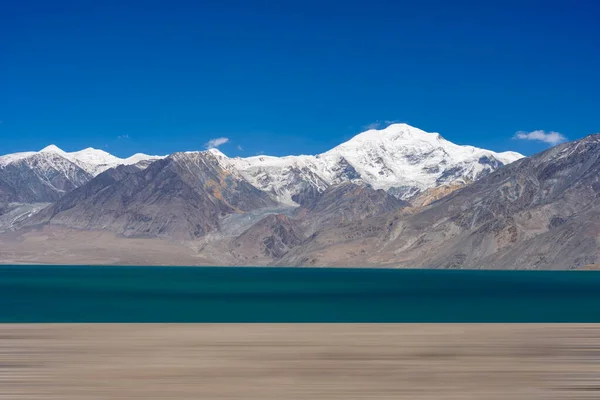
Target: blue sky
[(290, 77)]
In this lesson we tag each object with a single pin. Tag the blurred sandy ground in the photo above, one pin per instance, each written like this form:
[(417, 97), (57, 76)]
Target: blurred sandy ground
[(300, 361)]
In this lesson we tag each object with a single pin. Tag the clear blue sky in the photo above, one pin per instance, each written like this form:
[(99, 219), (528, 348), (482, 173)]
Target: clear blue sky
[(289, 77)]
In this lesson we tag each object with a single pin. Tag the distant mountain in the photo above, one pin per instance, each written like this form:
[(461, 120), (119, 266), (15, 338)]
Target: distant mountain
[(400, 159), (182, 196), (538, 212), (38, 178), (92, 161), (45, 176), (398, 197)]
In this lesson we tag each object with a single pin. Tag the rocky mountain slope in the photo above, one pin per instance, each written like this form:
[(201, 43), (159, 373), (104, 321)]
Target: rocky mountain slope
[(539, 212), (277, 235), (14, 214), (182, 196), (269, 239), (40, 177), (345, 203), (45, 176)]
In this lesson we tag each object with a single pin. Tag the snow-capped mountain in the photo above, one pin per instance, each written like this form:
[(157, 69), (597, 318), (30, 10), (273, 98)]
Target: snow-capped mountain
[(38, 177), (91, 160), (44, 176), (183, 196), (401, 159)]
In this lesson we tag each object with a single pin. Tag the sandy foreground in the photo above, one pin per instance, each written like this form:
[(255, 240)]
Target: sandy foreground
[(299, 361)]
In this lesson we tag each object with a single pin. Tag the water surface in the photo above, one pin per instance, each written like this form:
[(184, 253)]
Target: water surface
[(224, 294)]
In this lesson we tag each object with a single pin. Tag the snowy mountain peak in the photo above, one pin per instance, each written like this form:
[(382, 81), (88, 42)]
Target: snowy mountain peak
[(94, 157), (402, 142), (52, 149), (395, 131), (399, 132), (216, 152), (97, 161), (400, 158)]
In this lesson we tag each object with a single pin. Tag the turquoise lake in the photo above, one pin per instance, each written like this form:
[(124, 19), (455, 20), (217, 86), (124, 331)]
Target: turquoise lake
[(224, 294)]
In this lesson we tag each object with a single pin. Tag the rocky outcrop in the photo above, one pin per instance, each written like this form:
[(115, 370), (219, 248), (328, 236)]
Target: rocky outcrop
[(432, 195), (348, 202), (269, 239)]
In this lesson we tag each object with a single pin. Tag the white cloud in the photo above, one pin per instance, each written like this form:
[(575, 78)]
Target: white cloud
[(373, 125), (381, 124), (240, 148), (552, 138), (123, 137), (216, 142)]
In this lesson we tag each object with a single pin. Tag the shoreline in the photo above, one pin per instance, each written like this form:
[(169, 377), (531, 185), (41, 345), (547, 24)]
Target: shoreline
[(593, 267)]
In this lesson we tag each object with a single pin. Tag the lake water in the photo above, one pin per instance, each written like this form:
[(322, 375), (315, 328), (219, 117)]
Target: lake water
[(224, 294)]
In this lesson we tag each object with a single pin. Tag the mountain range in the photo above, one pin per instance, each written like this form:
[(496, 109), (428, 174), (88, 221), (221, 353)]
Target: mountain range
[(46, 175), (396, 197)]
